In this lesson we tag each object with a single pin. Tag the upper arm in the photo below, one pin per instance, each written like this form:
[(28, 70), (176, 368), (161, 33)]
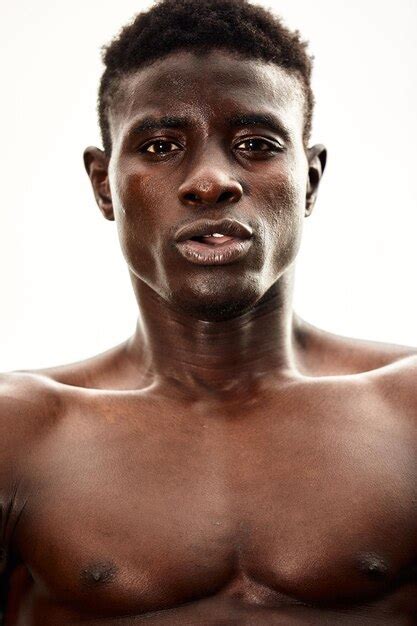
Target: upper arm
[(27, 404)]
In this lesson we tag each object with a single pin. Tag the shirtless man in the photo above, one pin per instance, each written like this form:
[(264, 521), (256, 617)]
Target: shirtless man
[(228, 464)]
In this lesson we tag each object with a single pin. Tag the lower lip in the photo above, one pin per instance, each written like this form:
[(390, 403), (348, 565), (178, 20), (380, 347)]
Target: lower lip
[(221, 254)]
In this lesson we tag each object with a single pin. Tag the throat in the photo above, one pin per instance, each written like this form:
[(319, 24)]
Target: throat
[(229, 357)]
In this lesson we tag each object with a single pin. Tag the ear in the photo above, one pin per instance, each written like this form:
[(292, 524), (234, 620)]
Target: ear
[(316, 156), (96, 164)]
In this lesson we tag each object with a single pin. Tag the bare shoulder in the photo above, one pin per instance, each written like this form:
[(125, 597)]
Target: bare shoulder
[(324, 353), (28, 405), (396, 383), (109, 369)]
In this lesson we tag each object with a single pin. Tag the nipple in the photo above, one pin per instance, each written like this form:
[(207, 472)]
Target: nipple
[(373, 566), (99, 573)]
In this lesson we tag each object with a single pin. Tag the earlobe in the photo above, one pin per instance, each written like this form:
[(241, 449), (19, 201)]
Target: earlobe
[(96, 164), (317, 157)]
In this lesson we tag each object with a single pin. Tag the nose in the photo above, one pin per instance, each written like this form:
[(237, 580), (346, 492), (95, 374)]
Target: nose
[(210, 186)]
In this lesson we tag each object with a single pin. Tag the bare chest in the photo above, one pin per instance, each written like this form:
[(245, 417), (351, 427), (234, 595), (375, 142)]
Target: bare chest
[(147, 519)]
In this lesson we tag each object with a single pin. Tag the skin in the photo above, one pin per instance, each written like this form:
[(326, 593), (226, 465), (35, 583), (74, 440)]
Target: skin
[(228, 464)]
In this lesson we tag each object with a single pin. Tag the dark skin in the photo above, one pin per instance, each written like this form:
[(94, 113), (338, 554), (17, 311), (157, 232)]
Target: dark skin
[(228, 464)]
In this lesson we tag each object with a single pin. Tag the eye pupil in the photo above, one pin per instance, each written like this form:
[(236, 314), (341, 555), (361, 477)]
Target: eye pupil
[(162, 146), (255, 145)]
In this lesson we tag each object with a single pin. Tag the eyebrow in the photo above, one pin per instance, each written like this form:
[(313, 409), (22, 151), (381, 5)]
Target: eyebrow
[(267, 120), (153, 123)]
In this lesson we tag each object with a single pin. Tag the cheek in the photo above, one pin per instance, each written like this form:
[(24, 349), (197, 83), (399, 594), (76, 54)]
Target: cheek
[(284, 215), (135, 196), (138, 212)]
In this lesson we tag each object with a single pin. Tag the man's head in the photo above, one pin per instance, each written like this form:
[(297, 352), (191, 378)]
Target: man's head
[(205, 110)]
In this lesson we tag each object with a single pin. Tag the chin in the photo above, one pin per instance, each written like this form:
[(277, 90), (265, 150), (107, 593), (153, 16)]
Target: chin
[(216, 302), (216, 312)]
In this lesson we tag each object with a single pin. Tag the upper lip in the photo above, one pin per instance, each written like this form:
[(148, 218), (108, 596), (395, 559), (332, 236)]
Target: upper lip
[(227, 226)]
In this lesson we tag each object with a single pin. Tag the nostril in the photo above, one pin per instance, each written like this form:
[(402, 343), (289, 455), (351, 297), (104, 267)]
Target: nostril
[(191, 197), (226, 196)]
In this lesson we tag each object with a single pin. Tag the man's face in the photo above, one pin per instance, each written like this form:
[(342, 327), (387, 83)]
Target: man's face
[(212, 159)]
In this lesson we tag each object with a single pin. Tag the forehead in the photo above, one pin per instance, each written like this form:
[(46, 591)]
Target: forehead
[(206, 87)]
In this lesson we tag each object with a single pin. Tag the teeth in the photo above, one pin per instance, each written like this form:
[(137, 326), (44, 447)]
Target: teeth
[(214, 235)]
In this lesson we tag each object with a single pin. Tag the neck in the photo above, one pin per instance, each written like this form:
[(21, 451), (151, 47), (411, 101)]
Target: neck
[(197, 358)]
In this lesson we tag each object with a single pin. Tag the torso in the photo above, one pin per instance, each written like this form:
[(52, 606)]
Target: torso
[(298, 507)]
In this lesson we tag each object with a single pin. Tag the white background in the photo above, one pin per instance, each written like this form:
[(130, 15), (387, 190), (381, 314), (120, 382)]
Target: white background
[(65, 292)]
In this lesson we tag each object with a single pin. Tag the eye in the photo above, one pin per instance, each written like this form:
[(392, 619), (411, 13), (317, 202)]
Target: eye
[(160, 147), (258, 144)]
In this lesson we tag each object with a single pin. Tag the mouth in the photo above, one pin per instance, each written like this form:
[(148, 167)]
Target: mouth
[(214, 242)]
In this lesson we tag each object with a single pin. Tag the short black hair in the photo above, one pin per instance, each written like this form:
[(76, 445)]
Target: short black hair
[(202, 25)]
